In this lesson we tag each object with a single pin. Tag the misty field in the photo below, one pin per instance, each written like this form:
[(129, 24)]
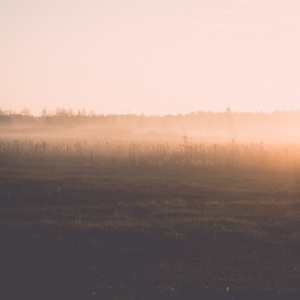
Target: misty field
[(138, 219)]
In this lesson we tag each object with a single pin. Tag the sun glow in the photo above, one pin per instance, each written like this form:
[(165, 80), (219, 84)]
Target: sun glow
[(149, 57)]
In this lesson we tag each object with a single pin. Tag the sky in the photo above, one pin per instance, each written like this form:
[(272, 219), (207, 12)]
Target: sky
[(150, 56)]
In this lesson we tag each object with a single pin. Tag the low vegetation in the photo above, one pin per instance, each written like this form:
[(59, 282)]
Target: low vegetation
[(140, 219)]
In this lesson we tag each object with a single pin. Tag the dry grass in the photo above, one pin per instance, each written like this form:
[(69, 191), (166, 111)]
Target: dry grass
[(131, 219)]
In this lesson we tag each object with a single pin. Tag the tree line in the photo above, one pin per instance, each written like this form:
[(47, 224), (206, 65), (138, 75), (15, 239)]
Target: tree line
[(230, 125)]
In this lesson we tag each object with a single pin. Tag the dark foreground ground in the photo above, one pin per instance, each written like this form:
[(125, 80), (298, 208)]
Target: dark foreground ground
[(80, 231)]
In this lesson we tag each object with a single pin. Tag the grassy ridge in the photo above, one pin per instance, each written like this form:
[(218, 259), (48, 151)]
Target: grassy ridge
[(119, 220)]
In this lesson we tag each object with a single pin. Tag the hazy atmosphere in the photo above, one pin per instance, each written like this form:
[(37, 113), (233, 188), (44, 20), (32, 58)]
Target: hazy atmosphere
[(152, 57), (150, 149)]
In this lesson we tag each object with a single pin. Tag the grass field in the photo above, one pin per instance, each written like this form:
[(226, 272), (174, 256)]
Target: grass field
[(148, 220)]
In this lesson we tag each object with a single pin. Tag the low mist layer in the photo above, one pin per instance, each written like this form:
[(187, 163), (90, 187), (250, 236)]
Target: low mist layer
[(278, 127)]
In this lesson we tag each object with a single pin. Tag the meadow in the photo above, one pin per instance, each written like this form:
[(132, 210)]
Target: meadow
[(148, 219)]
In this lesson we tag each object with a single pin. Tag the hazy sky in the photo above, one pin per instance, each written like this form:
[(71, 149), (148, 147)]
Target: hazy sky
[(150, 56)]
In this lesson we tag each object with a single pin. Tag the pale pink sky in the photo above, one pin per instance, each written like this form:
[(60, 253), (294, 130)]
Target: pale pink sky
[(150, 56)]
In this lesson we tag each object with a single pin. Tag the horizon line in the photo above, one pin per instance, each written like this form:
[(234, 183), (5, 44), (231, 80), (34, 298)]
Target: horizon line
[(84, 112)]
